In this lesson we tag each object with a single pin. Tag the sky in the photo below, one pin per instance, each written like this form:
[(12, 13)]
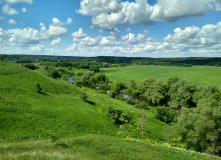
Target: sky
[(128, 28)]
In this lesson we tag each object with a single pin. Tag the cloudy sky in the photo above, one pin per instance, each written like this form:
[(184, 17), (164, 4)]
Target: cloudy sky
[(147, 28)]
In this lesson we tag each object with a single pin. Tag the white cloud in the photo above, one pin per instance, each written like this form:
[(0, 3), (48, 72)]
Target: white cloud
[(79, 34), (2, 17), (95, 7), (57, 22), (36, 48), (12, 21), (27, 36), (131, 39), (8, 10), (172, 10), (112, 13), (69, 21), (56, 42), (24, 10), (88, 41), (20, 1)]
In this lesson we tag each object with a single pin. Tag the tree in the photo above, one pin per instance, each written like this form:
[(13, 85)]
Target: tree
[(180, 93), (166, 114), (200, 128), (52, 72), (84, 96), (38, 87)]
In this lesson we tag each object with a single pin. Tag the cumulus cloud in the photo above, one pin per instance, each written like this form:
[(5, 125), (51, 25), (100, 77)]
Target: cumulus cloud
[(69, 21), (24, 10), (131, 39), (111, 13), (78, 35), (8, 10), (20, 1), (95, 7), (56, 42), (172, 10), (206, 36), (36, 48), (57, 22), (12, 21), (27, 36), (189, 41)]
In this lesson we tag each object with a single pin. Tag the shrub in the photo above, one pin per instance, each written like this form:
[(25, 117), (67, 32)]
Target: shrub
[(166, 114), (119, 117), (84, 96), (38, 87)]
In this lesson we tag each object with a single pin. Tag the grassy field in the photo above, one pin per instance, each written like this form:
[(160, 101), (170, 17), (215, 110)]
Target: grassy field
[(198, 75), (31, 121), (94, 147)]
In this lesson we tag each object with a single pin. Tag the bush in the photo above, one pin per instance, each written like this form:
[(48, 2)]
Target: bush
[(84, 96), (30, 66), (38, 87), (166, 114), (52, 72), (119, 117)]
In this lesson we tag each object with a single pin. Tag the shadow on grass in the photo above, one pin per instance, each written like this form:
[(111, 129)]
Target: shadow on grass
[(90, 102)]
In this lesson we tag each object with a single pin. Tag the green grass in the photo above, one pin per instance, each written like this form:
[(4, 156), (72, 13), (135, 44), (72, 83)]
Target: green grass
[(82, 129), (25, 114), (93, 147), (198, 75)]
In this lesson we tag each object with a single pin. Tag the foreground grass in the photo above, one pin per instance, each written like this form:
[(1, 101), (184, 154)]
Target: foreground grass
[(93, 147), (198, 75)]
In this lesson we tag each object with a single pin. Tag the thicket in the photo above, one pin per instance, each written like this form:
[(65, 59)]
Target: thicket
[(119, 117), (30, 66)]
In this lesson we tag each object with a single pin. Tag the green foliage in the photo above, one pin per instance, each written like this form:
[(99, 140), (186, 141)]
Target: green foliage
[(142, 105), (52, 72), (200, 127), (119, 117), (30, 66), (166, 114), (180, 93), (38, 87), (2, 58), (84, 96)]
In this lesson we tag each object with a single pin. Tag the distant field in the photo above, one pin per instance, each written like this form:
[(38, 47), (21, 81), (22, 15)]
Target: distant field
[(199, 75)]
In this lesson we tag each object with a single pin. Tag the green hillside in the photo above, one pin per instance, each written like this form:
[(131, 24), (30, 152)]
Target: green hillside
[(198, 75), (76, 129), (58, 110)]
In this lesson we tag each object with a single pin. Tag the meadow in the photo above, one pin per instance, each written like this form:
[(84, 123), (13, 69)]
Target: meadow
[(198, 75), (57, 124)]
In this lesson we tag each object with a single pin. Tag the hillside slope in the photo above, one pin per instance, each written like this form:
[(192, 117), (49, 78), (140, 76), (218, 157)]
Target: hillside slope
[(58, 110)]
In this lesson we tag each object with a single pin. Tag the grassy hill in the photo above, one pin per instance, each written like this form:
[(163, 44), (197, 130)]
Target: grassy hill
[(81, 130), (58, 110), (198, 75)]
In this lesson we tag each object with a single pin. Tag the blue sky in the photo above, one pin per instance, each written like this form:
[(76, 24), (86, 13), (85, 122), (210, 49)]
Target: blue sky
[(134, 28)]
